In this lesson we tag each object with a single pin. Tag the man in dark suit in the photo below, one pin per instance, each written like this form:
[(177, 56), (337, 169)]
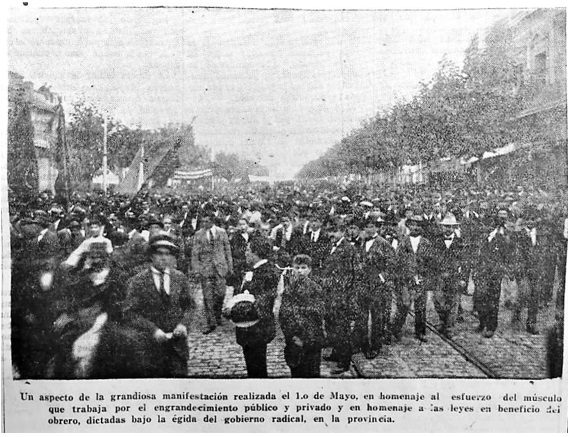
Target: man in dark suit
[(159, 304), (338, 282), (495, 261), (528, 265), (238, 244), (315, 243), (211, 261), (415, 259), (263, 286), (451, 273), (376, 270)]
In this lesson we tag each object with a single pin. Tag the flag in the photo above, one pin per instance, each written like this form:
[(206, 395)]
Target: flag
[(157, 162)]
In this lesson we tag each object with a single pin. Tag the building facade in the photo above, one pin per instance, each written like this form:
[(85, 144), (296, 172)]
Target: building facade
[(36, 123)]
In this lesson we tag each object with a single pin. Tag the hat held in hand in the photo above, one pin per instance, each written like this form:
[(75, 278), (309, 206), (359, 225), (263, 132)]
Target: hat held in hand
[(243, 311)]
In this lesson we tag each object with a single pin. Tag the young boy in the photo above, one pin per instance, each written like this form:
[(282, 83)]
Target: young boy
[(301, 319)]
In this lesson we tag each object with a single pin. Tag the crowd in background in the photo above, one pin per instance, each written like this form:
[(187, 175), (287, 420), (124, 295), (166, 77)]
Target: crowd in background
[(347, 256)]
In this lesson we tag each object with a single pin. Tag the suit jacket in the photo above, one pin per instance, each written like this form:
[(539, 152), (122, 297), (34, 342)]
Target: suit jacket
[(411, 264), (529, 259), (302, 311), (451, 263), (338, 278), (238, 247), (148, 310), (263, 287), (496, 257), (211, 256), (380, 259), (318, 250)]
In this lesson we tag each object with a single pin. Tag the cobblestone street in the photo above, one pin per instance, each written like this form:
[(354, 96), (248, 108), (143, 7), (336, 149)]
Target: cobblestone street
[(510, 353)]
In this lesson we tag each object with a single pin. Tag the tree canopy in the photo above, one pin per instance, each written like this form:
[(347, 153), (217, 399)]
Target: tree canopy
[(460, 112)]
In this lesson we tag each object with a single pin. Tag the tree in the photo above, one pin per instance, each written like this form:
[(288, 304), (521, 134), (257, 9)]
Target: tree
[(458, 113), (22, 163)]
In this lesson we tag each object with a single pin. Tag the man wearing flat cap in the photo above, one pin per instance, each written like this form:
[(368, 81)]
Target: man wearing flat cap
[(159, 304)]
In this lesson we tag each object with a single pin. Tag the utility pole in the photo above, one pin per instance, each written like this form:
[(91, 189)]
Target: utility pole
[(104, 179), (141, 178)]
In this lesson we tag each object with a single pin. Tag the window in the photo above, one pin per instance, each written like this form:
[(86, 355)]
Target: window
[(539, 69)]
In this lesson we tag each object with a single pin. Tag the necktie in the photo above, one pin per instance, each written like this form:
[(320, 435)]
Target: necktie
[(162, 283)]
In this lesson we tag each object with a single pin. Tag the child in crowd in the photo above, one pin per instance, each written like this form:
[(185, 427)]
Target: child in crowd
[(301, 319)]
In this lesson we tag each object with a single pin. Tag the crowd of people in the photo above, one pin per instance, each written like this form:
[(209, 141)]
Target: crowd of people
[(101, 285)]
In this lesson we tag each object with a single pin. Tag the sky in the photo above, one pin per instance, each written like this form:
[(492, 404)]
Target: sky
[(277, 86)]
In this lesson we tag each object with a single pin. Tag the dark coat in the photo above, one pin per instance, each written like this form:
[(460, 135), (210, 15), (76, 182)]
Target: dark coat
[(148, 310), (338, 278), (263, 287), (496, 257), (318, 250), (451, 261), (238, 247), (411, 264), (302, 311), (380, 259), (529, 259)]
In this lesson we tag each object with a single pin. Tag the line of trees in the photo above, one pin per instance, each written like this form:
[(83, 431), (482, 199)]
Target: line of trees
[(85, 145), (460, 112), (231, 166)]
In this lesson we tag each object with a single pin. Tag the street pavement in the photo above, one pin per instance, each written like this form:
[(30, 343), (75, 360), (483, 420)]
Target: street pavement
[(510, 353)]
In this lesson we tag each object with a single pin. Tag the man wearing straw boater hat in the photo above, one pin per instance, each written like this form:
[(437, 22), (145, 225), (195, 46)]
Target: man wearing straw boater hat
[(159, 304)]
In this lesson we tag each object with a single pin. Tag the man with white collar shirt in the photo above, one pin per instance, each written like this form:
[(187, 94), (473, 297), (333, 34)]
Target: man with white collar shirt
[(315, 243), (159, 304), (528, 257), (281, 235), (373, 296), (415, 261), (451, 272), (495, 261), (211, 261), (338, 282)]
